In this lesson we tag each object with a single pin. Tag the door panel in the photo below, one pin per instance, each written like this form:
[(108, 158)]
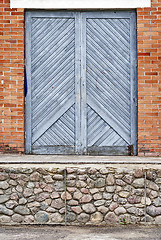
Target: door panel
[(108, 84), (81, 77)]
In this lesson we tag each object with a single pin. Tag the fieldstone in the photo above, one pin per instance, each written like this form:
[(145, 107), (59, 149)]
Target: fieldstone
[(83, 218), (92, 170), (70, 170), (42, 171), (35, 177), (21, 182), (110, 179), (76, 209), (42, 196), (138, 183), (111, 218), (136, 211), (4, 210), (4, 185), (71, 183), (118, 188), (110, 189), (41, 217), (71, 217), (1, 192), (107, 196), (29, 219), (122, 200), (97, 196), (139, 173), (107, 203), (58, 177), (71, 189), (11, 204), (113, 206), (54, 195), (83, 177), (89, 208), (59, 186), (99, 203), (73, 202), (30, 185), (14, 196), (33, 204), (120, 182), (84, 190), (91, 183), (127, 178), (153, 186), (5, 219), (62, 210), (147, 219), (3, 176), (17, 218), (94, 190), (153, 194), (158, 220), (57, 218), (19, 189), (81, 171), (68, 196), (27, 192), (154, 211), (100, 182), (138, 192), (71, 177), (31, 199), (13, 176), (37, 190), (134, 199), (51, 210), (157, 202), (103, 209), (22, 201), (123, 194), (120, 210), (158, 181), (103, 170), (147, 200), (96, 218), (151, 175), (86, 199), (48, 179), (81, 184), (57, 203), (23, 210), (77, 195), (12, 182), (4, 198)]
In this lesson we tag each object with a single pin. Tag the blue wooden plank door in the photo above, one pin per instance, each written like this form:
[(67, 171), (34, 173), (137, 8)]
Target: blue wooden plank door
[(81, 82), (109, 83)]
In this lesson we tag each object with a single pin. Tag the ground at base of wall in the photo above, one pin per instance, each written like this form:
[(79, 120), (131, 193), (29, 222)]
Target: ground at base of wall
[(80, 233)]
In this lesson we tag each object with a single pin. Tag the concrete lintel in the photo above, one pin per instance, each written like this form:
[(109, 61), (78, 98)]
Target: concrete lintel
[(80, 4)]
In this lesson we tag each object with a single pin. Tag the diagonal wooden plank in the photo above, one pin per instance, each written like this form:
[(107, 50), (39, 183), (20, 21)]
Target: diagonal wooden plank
[(44, 125), (109, 118)]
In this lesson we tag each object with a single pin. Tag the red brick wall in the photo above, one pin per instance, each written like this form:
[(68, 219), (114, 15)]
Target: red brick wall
[(11, 78), (149, 79)]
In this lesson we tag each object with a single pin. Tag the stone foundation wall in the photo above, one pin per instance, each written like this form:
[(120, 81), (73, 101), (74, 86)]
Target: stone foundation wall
[(80, 195)]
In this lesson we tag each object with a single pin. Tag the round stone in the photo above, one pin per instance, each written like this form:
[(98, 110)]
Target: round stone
[(42, 217), (97, 217)]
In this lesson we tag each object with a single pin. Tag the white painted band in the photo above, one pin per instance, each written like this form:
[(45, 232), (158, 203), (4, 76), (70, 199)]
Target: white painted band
[(80, 4)]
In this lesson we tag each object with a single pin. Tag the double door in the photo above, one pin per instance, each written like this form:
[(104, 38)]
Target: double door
[(81, 82)]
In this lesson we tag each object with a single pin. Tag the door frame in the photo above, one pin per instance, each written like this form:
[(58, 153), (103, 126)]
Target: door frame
[(81, 117)]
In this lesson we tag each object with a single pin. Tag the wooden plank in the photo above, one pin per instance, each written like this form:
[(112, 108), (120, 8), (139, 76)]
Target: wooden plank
[(133, 47), (108, 151), (59, 150), (77, 84), (28, 76), (83, 84)]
